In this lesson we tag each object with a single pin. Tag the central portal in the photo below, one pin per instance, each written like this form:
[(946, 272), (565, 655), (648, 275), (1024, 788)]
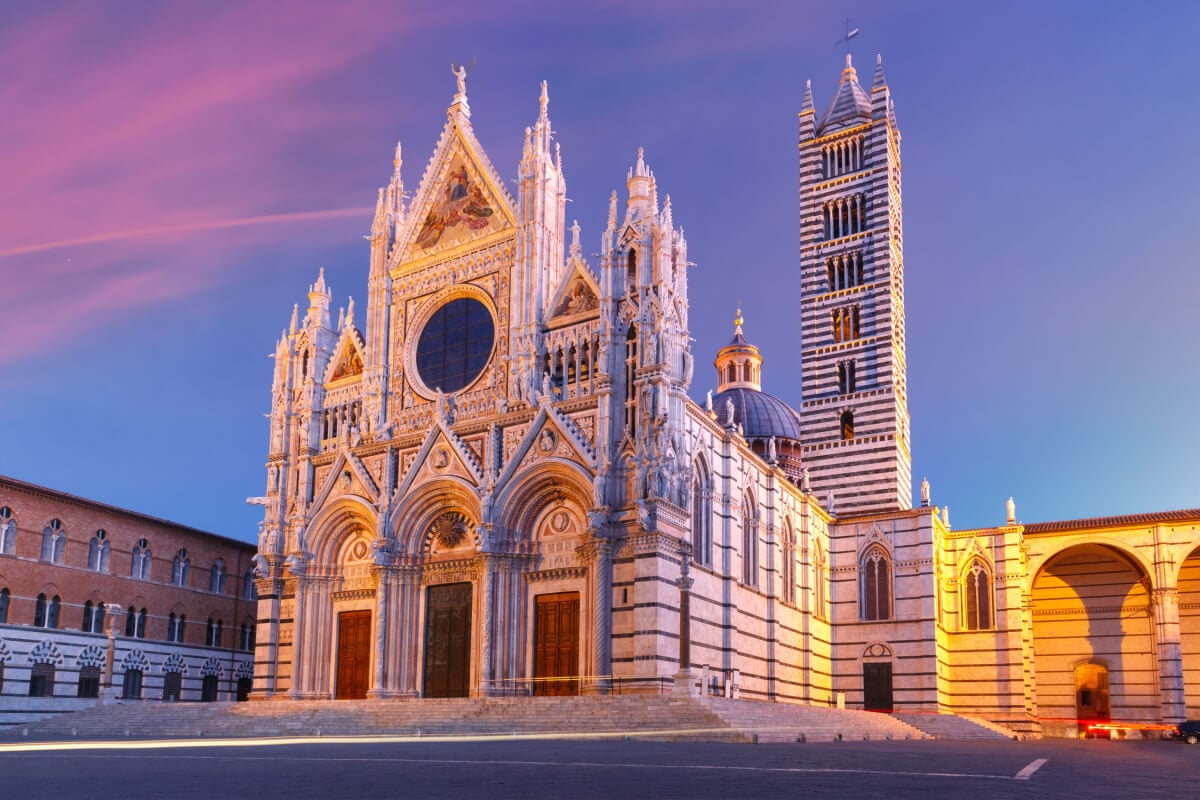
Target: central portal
[(556, 643), (353, 655), (448, 640)]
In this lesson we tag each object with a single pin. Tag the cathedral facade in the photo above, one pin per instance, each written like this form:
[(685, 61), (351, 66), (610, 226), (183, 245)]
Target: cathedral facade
[(494, 481)]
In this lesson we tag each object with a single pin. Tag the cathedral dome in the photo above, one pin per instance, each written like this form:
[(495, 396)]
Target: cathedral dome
[(761, 415)]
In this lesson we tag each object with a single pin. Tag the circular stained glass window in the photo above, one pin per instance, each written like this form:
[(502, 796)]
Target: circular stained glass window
[(455, 345)]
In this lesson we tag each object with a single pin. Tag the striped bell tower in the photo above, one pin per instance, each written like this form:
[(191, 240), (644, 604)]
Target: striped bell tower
[(855, 404)]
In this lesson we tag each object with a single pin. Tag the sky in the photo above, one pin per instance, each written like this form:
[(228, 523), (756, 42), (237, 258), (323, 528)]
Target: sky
[(173, 175)]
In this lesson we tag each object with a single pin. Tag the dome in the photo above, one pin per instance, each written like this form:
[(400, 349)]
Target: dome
[(761, 415)]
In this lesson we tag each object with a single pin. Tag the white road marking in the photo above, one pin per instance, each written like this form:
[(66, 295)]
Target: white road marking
[(526, 763), (1030, 768)]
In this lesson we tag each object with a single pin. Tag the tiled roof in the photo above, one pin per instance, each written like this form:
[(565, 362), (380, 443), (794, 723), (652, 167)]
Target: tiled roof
[(1152, 518), (761, 415)]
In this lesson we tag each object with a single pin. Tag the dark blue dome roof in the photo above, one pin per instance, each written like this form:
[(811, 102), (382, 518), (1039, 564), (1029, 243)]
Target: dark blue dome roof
[(761, 415)]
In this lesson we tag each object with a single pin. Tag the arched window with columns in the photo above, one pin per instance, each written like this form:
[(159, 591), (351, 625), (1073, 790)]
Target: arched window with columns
[(977, 596), (702, 515), (875, 584), (749, 541)]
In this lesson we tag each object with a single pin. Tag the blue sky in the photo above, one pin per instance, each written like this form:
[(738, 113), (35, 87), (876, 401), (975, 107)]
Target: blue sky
[(177, 174)]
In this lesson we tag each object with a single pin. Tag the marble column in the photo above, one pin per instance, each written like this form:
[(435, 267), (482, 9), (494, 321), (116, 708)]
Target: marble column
[(1170, 654)]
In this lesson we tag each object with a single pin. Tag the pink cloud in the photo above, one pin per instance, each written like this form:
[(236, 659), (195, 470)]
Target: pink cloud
[(126, 138)]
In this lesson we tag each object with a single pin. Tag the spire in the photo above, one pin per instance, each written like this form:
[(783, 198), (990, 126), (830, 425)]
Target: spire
[(295, 317), (641, 184), (350, 313), (544, 101), (737, 324), (850, 104), (806, 106), (397, 162), (612, 210), (879, 81), (318, 302), (379, 223)]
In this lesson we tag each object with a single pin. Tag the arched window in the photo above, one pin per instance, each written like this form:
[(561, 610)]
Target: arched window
[(818, 582), (208, 689), (702, 516), (99, 551), (5, 596), (39, 612), (172, 685), (130, 622), (89, 682), (41, 680), (141, 560), (875, 581), (216, 577), (93, 618), (631, 361), (8, 532), (181, 568), (249, 592), (847, 425), (54, 542), (246, 637), (631, 267), (141, 624), (788, 573), (53, 611), (131, 685), (212, 633), (175, 627), (977, 587), (749, 542)]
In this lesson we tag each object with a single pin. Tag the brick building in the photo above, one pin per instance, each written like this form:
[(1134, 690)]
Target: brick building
[(185, 600)]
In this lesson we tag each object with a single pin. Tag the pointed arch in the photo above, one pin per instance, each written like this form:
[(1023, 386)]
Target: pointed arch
[(875, 584), (702, 522), (333, 525), (977, 595), (750, 539), (788, 568), (819, 581)]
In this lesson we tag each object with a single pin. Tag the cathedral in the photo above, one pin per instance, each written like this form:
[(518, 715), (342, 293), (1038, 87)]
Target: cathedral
[(494, 481)]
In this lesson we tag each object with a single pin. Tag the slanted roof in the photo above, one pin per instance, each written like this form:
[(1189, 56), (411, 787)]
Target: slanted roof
[(850, 104), (1152, 518)]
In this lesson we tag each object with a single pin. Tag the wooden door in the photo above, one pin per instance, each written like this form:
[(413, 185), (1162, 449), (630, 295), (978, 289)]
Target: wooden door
[(877, 687), (448, 640), (353, 655), (556, 642)]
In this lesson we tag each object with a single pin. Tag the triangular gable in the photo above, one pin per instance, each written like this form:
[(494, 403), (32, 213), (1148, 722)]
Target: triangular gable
[(348, 475), (461, 199), (578, 297), (348, 361), (443, 455), (550, 435)]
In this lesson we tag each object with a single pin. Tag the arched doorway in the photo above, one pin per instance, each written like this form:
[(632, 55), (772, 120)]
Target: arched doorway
[(1093, 638), (1091, 693), (1189, 631)]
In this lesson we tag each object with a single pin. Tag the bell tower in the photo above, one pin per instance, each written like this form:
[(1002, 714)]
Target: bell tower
[(855, 401)]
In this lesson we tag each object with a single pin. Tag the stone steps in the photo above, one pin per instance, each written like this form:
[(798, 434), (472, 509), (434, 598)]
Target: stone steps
[(659, 717), (788, 722), (952, 726), (648, 716)]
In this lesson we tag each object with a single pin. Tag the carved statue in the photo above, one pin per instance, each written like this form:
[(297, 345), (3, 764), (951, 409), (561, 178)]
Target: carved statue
[(598, 489), (461, 74), (772, 455), (729, 412), (805, 482), (262, 569), (1012, 511), (924, 491)]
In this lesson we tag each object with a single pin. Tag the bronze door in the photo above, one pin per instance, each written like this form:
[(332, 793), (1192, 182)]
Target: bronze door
[(354, 654), (877, 687), (448, 640), (556, 643)]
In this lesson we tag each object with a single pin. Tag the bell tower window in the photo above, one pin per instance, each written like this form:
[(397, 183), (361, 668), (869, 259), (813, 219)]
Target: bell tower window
[(631, 359), (847, 425)]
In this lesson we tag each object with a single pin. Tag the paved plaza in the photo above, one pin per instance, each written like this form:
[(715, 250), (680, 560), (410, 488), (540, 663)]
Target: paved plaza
[(556, 768)]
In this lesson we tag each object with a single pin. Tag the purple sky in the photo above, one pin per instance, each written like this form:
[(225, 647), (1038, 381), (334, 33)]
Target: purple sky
[(174, 174)]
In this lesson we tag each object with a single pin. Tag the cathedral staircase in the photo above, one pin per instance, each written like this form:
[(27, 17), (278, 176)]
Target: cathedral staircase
[(953, 726), (631, 716), (789, 722)]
